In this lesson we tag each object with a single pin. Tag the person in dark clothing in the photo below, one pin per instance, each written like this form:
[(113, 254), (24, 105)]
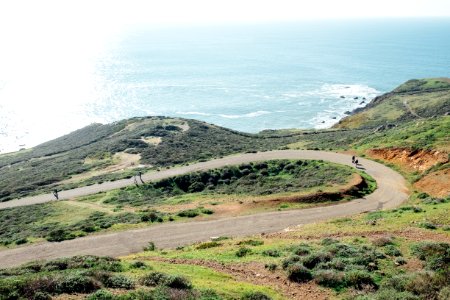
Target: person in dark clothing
[(55, 193), (140, 177), (353, 159)]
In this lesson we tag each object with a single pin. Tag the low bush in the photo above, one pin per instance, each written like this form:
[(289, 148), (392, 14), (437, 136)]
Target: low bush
[(251, 243), (76, 283), (271, 266), (435, 254), (314, 259), (119, 282), (290, 261), (330, 278), (150, 247), (208, 245), (391, 250), (255, 296), (301, 250), (243, 251), (298, 273), (271, 253), (359, 279), (153, 279), (189, 213), (101, 295), (178, 282), (60, 235), (139, 265)]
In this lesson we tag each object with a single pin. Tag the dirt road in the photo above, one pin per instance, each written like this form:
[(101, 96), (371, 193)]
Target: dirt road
[(391, 192)]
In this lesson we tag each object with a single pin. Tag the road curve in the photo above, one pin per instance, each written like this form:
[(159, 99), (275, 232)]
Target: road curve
[(391, 192)]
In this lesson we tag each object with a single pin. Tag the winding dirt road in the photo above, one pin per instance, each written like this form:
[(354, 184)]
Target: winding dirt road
[(391, 192)]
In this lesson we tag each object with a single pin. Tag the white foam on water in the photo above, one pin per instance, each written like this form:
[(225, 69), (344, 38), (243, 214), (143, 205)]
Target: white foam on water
[(337, 99)]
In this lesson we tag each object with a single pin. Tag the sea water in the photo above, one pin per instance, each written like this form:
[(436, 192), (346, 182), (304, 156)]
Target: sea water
[(246, 77)]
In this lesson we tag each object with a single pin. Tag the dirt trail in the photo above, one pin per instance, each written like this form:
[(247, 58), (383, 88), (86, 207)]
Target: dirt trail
[(391, 192)]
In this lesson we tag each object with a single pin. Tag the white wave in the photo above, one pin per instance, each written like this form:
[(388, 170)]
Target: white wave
[(249, 115), (194, 113)]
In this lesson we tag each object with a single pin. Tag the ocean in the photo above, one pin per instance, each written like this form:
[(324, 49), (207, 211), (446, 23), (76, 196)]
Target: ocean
[(248, 77)]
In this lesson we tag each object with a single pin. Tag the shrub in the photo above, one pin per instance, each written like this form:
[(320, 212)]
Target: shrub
[(301, 250), (271, 266), (359, 279), (255, 296), (298, 273), (329, 278), (41, 296), (101, 295), (391, 294), (436, 255), (399, 261), (314, 259), (428, 225), (243, 251), (138, 265), (153, 279), (207, 211), (444, 294), (208, 245), (59, 235), (120, 282), (9, 288), (40, 284), (328, 241), (272, 253), (76, 283), (178, 282), (150, 247), (289, 261), (251, 243), (391, 250), (209, 294), (189, 213), (21, 241)]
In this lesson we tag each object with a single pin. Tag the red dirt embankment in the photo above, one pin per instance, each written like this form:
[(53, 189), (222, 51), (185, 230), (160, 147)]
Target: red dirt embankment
[(409, 159), (434, 183)]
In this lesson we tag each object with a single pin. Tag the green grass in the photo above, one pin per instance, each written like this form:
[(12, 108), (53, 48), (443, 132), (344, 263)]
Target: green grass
[(253, 179), (88, 274)]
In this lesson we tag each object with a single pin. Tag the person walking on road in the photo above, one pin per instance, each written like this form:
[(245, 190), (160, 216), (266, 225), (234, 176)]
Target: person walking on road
[(55, 193)]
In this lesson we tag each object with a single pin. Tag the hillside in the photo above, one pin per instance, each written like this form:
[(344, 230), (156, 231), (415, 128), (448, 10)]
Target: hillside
[(402, 118), (413, 100), (400, 253), (106, 152)]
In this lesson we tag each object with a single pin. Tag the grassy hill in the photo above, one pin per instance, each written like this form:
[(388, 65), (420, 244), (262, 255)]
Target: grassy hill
[(413, 100)]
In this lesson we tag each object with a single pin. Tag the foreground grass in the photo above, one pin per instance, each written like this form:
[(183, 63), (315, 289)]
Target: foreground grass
[(95, 277)]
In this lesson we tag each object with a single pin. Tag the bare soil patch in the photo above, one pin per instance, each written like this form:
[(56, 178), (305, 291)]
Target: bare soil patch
[(411, 160), (122, 161), (436, 183)]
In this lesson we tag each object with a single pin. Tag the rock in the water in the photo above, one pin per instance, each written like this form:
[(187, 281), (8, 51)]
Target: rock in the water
[(342, 97), (333, 117), (362, 102), (348, 112), (356, 98)]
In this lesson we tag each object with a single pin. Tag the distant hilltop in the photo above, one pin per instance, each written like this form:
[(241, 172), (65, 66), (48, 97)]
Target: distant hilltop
[(415, 99)]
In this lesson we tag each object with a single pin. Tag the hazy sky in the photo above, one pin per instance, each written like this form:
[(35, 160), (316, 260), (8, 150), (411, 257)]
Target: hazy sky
[(99, 13)]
